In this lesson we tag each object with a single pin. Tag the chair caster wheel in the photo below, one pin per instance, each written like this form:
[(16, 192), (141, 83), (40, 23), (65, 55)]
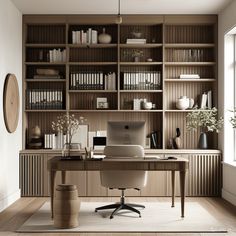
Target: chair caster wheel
[(111, 217), (96, 210), (139, 216)]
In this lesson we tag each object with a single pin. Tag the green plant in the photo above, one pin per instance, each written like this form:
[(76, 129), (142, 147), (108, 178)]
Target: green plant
[(133, 53), (233, 119), (206, 119)]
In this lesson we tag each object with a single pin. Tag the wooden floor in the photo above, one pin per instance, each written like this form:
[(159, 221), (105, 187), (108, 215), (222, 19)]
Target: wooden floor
[(14, 216)]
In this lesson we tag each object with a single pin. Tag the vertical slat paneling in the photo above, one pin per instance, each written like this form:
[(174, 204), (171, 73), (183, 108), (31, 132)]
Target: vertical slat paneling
[(31, 169), (205, 175)]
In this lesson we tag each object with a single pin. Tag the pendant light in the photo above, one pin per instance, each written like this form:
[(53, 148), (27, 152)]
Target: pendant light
[(119, 18)]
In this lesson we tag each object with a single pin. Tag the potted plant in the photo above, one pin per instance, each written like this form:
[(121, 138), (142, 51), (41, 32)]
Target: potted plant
[(207, 120), (133, 54), (67, 125), (233, 119)]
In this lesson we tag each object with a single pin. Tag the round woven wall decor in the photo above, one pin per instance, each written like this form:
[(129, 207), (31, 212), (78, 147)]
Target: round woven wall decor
[(11, 103)]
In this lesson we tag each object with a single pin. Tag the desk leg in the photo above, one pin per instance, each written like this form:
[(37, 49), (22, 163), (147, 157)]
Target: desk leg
[(63, 176), (173, 187), (182, 175), (52, 186)]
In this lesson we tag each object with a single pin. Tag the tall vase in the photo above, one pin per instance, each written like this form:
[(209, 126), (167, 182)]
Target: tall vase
[(202, 143)]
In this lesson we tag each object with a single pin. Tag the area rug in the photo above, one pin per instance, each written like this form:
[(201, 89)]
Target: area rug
[(156, 217)]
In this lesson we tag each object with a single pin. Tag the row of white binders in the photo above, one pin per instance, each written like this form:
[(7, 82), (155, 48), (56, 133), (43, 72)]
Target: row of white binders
[(93, 81), (85, 37), (57, 55), (141, 80), (44, 99)]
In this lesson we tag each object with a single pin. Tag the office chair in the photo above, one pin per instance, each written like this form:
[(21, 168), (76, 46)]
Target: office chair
[(123, 180)]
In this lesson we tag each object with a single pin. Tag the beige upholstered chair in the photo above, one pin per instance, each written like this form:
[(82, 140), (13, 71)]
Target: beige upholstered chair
[(123, 179)]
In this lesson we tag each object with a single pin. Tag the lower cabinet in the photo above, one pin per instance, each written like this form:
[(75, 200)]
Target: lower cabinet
[(204, 178)]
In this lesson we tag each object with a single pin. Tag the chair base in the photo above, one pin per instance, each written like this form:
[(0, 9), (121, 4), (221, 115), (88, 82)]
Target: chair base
[(121, 206)]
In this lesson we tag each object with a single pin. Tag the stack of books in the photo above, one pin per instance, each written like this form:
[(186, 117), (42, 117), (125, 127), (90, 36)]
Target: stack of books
[(136, 41), (189, 76), (85, 37), (47, 74)]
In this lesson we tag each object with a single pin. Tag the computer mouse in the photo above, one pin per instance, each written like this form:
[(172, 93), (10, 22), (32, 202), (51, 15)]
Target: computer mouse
[(172, 158)]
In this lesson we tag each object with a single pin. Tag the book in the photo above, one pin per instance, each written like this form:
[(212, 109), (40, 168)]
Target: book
[(136, 41), (203, 103), (209, 99), (189, 76)]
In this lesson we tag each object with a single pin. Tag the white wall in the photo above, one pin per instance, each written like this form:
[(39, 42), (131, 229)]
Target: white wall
[(227, 20), (10, 62)]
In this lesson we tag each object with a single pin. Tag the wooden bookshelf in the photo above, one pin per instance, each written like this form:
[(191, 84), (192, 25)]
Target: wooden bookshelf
[(176, 44)]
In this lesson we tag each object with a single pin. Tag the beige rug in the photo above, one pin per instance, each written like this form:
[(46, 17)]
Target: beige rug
[(156, 217)]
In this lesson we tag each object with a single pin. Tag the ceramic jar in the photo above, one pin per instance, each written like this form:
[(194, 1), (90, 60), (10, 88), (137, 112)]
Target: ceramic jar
[(66, 206), (182, 103), (147, 105), (104, 37)]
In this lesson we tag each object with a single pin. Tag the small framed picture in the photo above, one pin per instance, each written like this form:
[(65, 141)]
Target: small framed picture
[(102, 103)]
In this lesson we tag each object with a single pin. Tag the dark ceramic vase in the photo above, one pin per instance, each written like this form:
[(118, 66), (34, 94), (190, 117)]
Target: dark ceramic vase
[(202, 143)]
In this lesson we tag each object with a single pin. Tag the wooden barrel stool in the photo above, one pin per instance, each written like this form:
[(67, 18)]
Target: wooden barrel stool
[(66, 206)]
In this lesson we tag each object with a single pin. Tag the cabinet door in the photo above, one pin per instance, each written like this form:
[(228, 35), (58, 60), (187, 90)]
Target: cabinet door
[(156, 184), (32, 174), (94, 187)]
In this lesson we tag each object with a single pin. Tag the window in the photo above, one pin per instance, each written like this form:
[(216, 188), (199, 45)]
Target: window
[(229, 95)]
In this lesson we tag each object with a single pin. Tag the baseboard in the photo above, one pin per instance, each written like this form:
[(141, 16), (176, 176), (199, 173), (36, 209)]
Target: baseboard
[(229, 197), (8, 200)]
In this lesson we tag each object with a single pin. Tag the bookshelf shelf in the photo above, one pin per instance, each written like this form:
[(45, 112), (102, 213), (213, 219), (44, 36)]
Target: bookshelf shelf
[(171, 49), (44, 110), (141, 111), (92, 111), (140, 63), (110, 45), (92, 63), (45, 80), (191, 80), (141, 91), (189, 45), (146, 45), (190, 63), (92, 91), (183, 111), (45, 63), (44, 45)]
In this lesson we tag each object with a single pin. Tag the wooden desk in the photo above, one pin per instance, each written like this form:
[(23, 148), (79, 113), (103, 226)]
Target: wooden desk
[(180, 164)]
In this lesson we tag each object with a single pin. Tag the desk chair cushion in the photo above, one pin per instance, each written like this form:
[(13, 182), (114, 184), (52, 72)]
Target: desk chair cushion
[(124, 179)]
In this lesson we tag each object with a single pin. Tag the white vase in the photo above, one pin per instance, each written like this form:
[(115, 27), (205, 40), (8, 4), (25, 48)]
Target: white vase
[(182, 103), (104, 37)]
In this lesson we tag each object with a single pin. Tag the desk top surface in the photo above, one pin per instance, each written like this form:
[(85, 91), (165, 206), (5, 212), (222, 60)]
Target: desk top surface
[(118, 164)]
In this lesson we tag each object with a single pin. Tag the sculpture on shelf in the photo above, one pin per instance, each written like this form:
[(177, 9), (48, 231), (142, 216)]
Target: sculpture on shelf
[(35, 138), (177, 140), (207, 120)]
